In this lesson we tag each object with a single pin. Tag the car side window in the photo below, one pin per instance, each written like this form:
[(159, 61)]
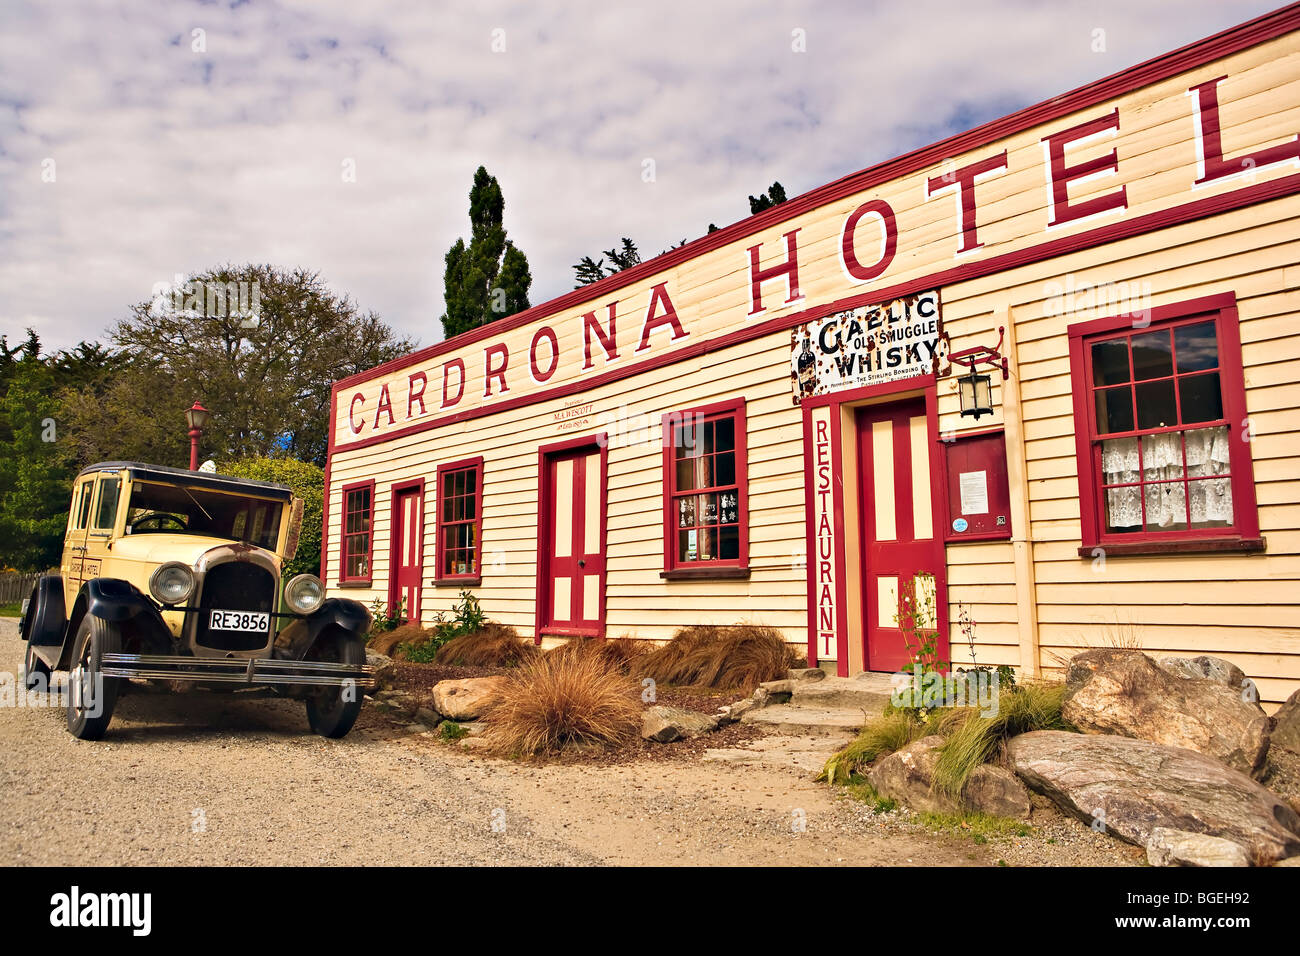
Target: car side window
[(81, 504), (110, 491)]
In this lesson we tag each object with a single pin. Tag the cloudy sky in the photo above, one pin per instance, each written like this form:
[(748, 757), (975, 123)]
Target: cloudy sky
[(174, 150)]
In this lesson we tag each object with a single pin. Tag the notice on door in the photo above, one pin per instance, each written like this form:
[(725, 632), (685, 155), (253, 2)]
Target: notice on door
[(974, 486)]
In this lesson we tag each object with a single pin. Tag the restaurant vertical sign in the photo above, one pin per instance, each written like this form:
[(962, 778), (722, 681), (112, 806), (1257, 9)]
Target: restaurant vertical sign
[(822, 560)]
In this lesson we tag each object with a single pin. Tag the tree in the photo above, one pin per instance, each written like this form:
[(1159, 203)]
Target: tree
[(488, 278), (308, 483), (264, 369), (587, 271), (774, 196)]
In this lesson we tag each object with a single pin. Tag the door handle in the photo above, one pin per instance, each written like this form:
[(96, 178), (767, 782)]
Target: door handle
[(582, 562)]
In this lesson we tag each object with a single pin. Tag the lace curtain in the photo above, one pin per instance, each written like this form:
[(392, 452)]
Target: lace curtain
[(1162, 460)]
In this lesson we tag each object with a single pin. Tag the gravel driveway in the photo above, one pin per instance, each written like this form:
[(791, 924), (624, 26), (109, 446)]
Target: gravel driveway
[(210, 780)]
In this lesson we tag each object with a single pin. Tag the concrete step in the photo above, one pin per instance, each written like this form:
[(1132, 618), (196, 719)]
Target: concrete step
[(789, 719), (867, 693)]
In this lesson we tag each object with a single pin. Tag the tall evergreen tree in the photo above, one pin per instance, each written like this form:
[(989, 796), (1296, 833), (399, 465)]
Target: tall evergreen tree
[(488, 278), (774, 196)]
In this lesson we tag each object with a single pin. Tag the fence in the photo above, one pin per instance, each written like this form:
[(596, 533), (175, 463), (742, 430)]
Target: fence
[(16, 588)]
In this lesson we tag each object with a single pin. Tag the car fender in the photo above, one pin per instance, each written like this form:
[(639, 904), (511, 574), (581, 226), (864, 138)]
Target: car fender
[(117, 602), (342, 613), (45, 620)]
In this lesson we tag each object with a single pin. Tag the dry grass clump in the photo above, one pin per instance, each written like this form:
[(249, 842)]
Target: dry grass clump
[(492, 645), (621, 653), (880, 737), (735, 657), (385, 642), (556, 699)]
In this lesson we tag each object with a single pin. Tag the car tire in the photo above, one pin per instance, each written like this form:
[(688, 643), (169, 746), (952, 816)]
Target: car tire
[(33, 666), (330, 712), (91, 696)]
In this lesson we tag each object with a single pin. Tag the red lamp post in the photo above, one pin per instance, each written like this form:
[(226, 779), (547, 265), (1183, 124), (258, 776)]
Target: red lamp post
[(196, 416)]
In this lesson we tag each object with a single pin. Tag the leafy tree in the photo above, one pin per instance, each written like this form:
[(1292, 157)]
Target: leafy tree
[(774, 196), (488, 278), (266, 377), (308, 483)]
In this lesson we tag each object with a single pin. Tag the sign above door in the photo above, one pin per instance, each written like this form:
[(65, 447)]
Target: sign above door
[(870, 345)]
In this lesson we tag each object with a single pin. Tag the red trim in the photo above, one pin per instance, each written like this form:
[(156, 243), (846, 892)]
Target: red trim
[(735, 409), (542, 593), (366, 578), (1189, 57), (395, 539), (325, 498), (1223, 310), (1177, 215), (464, 464)]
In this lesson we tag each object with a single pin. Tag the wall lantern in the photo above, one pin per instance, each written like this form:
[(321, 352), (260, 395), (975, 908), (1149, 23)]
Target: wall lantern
[(975, 388)]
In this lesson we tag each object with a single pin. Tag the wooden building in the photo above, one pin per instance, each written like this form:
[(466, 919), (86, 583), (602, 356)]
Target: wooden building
[(804, 418)]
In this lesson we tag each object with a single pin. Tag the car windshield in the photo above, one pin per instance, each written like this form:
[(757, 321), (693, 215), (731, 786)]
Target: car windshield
[(156, 508)]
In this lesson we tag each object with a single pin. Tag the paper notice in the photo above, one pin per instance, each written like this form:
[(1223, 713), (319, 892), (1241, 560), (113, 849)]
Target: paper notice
[(974, 492)]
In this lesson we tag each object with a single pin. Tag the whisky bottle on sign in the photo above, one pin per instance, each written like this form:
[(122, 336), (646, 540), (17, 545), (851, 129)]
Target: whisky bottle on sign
[(807, 366)]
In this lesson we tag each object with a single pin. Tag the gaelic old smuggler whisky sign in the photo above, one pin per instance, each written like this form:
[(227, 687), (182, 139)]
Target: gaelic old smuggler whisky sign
[(866, 346)]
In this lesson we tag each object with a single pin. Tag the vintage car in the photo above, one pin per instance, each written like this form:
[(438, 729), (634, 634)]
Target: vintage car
[(172, 575)]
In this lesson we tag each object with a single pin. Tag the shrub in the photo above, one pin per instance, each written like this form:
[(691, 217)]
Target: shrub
[(555, 699), (738, 657), (892, 731), (386, 642), (492, 645), (977, 740), (620, 653)]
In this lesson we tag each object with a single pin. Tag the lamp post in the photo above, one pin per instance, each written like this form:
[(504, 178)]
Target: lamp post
[(196, 416)]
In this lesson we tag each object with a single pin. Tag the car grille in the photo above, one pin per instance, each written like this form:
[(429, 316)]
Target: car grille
[(235, 586)]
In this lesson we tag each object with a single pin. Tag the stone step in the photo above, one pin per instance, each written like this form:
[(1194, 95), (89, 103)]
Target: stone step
[(868, 693), (789, 719)]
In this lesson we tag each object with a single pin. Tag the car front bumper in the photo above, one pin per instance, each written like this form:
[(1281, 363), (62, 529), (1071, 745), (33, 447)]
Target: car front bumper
[(253, 672)]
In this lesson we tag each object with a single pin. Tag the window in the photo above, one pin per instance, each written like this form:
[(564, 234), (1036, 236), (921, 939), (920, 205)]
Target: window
[(358, 515), (81, 504), (110, 489), (705, 497), (1161, 423), (460, 520)]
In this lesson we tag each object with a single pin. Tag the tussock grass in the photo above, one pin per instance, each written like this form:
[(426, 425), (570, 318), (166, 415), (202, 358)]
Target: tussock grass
[(386, 642), (557, 699), (978, 740), (492, 645), (881, 736), (734, 657), (621, 653)]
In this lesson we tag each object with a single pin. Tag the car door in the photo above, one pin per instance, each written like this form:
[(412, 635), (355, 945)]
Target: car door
[(74, 541)]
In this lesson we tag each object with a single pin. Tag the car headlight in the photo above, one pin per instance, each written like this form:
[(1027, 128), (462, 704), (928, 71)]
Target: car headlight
[(304, 594), (172, 583)]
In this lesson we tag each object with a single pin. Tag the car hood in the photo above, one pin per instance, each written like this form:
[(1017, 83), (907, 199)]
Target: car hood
[(160, 547)]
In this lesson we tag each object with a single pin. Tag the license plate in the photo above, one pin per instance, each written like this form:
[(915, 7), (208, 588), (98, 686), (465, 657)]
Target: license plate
[(239, 621)]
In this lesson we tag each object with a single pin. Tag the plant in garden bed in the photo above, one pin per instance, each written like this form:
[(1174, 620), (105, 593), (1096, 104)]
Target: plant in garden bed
[(491, 645), (451, 731), (735, 657), (420, 645), (559, 699)]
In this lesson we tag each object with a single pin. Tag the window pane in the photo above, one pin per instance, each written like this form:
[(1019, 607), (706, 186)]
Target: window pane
[(729, 543), (725, 465), (686, 474), (1110, 362), (1162, 456), (1153, 355), (1119, 461), (1207, 451), (708, 544), (1124, 509), (725, 437), (109, 489), (1200, 398), (730, 507), (1155, 404), (708, 509), (1166, 504), (686, 511), (1115, 410), (709, 444), (686, 545), (1196, 347), (1211, 501)]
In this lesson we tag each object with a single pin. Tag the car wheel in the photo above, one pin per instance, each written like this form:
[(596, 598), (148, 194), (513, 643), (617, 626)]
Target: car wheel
[(91, 696), (332, 711)]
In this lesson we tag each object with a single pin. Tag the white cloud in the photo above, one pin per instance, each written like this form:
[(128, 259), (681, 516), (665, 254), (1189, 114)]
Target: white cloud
[(171, 160)]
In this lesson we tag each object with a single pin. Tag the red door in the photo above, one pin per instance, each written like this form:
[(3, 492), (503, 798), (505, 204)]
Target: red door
[(902, 563), (407, 560), (571, 542)]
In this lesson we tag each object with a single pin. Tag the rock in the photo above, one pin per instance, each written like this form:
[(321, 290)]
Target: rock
[(1205, 668), (1138, 786), (466, 699), (1286, 725), (1289, 861), (1169, 847), (996, 791), (428, 716), (664, 724), (385, 669), (806, 674), (907, 776), (1124, 692), (778, 687), (417, 728)]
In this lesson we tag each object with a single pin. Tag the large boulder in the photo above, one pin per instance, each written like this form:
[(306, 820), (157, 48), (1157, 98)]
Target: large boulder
[(665, 724), (1205, 668), (908, 777), (467, 699), (1124, 692), (1169, 847), (1286, 725), (1133, 787)]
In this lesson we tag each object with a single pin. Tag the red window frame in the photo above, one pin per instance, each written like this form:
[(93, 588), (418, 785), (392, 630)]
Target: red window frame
[(717, 567), (474, 465), (347, 538), (1243, 534)]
